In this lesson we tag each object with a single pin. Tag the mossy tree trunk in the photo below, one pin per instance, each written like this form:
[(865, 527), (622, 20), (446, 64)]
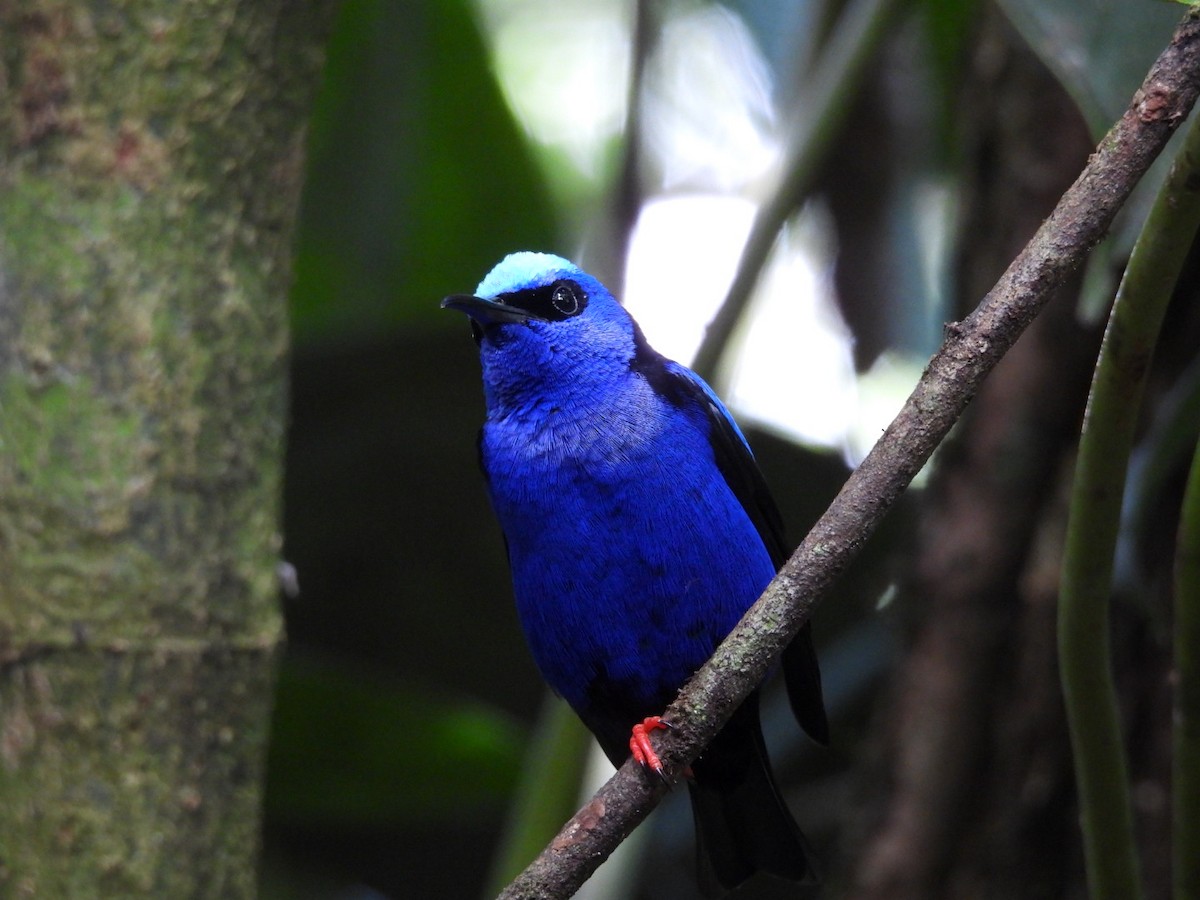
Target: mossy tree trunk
[(150, 163)]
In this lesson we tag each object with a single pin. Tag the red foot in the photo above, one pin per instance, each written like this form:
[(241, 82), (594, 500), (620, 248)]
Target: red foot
[(640, 747)]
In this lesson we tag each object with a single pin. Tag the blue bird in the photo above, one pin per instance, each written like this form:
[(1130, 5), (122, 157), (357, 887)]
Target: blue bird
[(639, 530)]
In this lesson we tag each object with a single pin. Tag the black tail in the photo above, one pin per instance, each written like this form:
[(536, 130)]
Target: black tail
[(742, 824)]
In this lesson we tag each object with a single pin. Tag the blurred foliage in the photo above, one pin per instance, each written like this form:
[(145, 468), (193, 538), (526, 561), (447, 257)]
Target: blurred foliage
[(418, 177), (355, 750), (547, 794), (1099, 49), (948, 26), (418, 180), (406, 696)]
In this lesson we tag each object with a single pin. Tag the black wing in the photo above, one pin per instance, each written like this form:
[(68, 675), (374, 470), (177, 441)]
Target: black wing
[(683, 387)]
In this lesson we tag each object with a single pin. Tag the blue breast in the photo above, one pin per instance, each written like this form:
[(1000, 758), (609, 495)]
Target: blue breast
[(631, 557)]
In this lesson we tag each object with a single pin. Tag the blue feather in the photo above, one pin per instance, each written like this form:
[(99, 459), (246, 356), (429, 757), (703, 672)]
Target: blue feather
[(639, 530)]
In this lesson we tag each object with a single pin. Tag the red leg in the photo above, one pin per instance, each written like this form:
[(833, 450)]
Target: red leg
[(639, 743)]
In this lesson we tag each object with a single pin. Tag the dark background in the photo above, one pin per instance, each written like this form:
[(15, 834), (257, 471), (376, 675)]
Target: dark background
[(406, 698)]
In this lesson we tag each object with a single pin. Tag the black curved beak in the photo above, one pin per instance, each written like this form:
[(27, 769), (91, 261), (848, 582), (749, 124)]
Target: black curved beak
[(486, 312)]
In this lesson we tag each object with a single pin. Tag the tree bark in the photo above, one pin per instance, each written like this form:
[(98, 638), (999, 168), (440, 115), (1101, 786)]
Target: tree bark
[(150, 164)]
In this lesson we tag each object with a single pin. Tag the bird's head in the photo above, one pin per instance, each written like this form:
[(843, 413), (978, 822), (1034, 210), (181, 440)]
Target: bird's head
[(544, 325)]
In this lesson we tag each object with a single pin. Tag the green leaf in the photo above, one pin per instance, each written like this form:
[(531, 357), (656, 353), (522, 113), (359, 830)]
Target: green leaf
[(949, 28), (419, 179), (1099, 49), (354, 750), (548, 793)]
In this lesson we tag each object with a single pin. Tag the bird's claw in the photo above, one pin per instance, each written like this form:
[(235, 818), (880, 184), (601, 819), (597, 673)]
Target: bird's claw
[(643, 750)]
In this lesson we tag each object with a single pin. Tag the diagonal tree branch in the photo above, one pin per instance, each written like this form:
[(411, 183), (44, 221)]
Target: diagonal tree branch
[(970, 351)]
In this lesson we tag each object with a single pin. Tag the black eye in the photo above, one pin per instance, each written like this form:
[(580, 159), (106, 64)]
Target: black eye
[(565, 297), (549, 302)]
